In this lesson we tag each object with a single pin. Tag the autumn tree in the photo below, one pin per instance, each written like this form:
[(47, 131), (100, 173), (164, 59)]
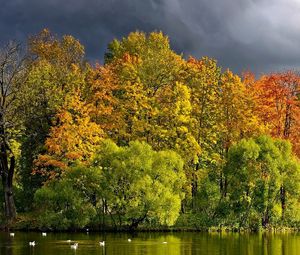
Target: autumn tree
[(153, 98), (277, 105), (74, 137), (103, 90), (202, 77), (56, 68)]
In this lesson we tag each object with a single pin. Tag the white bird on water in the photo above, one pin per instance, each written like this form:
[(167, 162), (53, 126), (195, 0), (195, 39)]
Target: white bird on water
[(44, 234), (74, 246), (129, 240), (32, 243), (12, 234), (164, 242), (102, 243)]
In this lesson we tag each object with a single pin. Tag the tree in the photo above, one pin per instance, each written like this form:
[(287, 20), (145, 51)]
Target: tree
[(256, 171), (236, 119), (140, 184), (143, 67), (103, 86), (154, 101), (63, 52), (277, 105), (56, 68), (74, 137), (12, 73), (61, 205), (202, 77)]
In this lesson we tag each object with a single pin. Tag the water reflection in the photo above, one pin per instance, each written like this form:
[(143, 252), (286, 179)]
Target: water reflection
[(185, 243)]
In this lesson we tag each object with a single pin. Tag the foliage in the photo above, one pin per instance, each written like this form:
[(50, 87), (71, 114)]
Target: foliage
[(62, 207), (140, 184), (257, 172), (277, 96), (73, 139)]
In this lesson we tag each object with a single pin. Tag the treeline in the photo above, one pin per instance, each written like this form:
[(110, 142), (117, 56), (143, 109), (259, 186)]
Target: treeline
[(146, 139)]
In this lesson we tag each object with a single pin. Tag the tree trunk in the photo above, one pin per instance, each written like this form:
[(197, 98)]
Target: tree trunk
[(7, 172), (282, 200), (194, 190), (135, 222), (265, 219), (7, 182)]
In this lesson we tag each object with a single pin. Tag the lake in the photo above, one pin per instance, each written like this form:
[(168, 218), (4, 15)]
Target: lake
[(150, 243)]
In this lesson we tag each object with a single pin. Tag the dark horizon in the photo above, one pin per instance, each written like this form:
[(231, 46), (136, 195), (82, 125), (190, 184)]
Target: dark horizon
[(241, 35)]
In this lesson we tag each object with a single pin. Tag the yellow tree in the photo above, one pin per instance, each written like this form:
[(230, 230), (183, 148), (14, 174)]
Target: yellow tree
[(147, 71), (173, 122), (202, 77), (156, 101), (63, 51)]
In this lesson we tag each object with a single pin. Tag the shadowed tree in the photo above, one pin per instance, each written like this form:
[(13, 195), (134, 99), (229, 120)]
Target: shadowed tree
[(12, 70)]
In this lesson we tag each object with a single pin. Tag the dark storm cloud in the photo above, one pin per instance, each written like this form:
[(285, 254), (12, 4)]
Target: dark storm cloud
[(260, 35)]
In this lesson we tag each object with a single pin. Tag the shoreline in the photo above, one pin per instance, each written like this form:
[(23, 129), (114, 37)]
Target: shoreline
[(274, 230)]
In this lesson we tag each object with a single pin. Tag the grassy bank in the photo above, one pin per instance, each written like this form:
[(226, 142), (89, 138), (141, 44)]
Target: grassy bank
[(28, 222)]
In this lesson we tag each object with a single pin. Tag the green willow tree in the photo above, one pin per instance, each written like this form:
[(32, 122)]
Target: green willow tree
[(140, 184), (256, 171)]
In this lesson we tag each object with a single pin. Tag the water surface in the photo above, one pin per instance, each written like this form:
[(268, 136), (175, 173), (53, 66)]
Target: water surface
[(185, 243)]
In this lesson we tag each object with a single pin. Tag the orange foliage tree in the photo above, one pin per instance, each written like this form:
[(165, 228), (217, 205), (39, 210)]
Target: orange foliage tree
[(74, 137), (278, 106)]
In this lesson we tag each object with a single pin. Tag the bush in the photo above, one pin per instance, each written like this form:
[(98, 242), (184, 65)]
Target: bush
[(62, 207)]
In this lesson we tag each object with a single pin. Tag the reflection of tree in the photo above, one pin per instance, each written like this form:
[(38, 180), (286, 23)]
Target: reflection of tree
[(6, 247), (152, 244)]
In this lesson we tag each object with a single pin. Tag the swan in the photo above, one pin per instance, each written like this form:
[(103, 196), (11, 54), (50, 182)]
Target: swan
[(12, 234), (129, 240), (32, 243), (165, 242), (74, 246), (102, 243), (44, 234)]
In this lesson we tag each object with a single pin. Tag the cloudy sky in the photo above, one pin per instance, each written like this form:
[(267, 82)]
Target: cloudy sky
[(260, 35)]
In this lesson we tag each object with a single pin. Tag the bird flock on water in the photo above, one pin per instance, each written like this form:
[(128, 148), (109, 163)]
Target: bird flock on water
[(73, 246)]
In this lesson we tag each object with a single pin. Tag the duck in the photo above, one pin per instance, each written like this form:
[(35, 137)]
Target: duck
[(32, 243), (44, 234), (164, 242), (12, 234), (74, 246), (102, 243), (129, 240)]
